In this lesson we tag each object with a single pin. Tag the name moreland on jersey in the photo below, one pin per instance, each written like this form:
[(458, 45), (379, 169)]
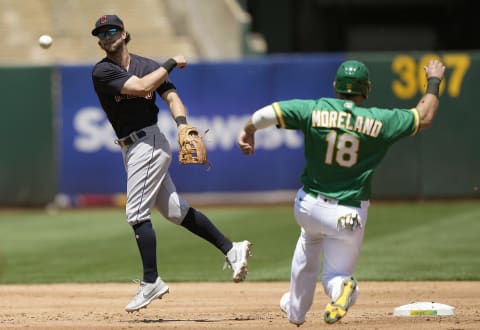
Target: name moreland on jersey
[(342, 119)]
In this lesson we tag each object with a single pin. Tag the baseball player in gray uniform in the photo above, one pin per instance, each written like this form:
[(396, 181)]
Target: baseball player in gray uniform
[(125, 84), (344, 143)]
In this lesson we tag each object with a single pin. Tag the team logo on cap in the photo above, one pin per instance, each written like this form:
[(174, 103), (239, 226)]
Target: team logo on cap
[(103, 19)]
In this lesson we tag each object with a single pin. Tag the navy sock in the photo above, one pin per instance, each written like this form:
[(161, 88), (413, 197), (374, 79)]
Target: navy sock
[(147, 244), (200, 225)]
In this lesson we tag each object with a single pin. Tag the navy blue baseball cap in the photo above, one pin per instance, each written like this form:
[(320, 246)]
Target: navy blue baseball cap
[(107, 20)]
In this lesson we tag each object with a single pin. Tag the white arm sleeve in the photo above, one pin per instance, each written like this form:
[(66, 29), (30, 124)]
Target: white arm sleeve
[(264, 117)]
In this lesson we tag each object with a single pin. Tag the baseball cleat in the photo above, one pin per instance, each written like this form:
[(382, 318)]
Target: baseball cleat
[(338, 308), (284, 302), (146, 293), (237, 260), (284, 307)]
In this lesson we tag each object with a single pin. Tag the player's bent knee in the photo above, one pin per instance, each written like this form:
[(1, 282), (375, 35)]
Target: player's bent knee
[(175, 219), (176, 210), (176, 215)]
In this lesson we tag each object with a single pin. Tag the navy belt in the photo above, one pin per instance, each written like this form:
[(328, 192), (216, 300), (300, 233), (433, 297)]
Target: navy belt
[(131, 139), (344, 202)]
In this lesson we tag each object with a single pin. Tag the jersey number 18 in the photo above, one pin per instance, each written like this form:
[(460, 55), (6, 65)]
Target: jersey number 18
[(343, 147)]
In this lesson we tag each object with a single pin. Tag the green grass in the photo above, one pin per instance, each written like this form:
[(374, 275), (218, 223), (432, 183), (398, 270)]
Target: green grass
[(425, 241), (403, 241)]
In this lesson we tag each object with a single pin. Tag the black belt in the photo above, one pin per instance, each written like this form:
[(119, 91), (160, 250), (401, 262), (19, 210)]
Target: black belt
[(344, 202), (131, 139)]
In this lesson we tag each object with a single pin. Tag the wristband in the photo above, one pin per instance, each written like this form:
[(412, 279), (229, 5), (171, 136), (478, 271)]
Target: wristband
[(181, 120), (433, 86), (169, 65)]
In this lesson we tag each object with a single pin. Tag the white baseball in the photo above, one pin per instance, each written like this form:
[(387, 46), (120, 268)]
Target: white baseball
[(45, 41)]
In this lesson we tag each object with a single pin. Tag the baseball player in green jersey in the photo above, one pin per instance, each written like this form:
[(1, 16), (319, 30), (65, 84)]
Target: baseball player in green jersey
[(344, 143)]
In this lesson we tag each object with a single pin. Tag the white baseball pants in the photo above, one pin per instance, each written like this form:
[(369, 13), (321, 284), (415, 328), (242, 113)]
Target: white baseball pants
[(319, 235)]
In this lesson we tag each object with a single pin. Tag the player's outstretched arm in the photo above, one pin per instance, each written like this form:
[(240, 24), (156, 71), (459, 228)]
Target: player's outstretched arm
[(150, 82), (429, 103), (261, 118)]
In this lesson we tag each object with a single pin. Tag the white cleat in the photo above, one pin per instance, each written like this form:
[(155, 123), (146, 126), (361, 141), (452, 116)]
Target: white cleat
[(237, 260), (146, 293), (284, 301)]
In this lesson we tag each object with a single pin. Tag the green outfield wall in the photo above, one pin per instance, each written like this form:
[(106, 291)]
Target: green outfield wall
[(27, 131), (445, 161)]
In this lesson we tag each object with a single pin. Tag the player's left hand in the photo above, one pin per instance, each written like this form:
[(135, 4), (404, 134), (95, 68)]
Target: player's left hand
[(191, 148), (434, 69)]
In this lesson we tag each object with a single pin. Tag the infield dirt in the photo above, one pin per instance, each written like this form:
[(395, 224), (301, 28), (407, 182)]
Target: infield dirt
[(249, 305)]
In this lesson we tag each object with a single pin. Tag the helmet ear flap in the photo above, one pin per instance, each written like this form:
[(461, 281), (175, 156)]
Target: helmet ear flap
[(368, 89)]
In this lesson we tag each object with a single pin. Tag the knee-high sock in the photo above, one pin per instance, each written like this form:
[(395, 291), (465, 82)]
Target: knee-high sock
[(147, 245), (200, 225)]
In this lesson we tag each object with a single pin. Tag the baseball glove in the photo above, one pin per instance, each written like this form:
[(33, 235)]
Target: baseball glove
[(191, 147)]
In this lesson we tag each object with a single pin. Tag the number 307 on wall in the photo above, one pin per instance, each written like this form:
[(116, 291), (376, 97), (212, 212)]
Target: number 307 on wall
[(411, 76)]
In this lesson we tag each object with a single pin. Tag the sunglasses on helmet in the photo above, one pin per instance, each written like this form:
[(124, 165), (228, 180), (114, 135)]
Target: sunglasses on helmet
[(110, 32)]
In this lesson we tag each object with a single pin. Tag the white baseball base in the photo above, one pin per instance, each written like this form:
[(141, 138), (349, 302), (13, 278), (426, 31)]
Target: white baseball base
[(424, 309)]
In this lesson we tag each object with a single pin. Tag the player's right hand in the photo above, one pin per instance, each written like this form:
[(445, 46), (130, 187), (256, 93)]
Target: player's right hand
[(246, 143), (181, 61), (434, 68)]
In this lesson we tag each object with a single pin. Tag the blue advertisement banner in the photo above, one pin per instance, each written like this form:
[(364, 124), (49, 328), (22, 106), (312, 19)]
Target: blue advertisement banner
[(219, 97)]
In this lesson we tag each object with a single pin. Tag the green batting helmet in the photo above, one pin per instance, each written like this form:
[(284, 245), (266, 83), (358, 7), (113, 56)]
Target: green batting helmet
[(352, 78)]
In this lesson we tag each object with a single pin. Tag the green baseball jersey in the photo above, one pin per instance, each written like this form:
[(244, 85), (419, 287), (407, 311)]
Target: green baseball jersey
[(344, 143)]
